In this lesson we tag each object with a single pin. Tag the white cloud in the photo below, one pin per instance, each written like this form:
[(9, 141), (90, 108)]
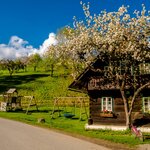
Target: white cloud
[(50, 41), (17, 47), (17, 42)]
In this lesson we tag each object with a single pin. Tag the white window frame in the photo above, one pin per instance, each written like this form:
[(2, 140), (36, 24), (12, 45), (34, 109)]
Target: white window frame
[(94, 83), (105, 106), (106, 70), (122, 67), (146, 101)]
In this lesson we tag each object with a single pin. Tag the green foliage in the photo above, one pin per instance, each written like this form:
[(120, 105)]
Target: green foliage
[(51, 59), (34, 60), (12, 65)]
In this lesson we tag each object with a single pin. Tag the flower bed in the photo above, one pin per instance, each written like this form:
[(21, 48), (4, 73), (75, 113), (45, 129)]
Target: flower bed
[(106, 115)]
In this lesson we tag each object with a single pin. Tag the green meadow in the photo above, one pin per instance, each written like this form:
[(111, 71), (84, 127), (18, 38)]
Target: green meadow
[(45, 88)]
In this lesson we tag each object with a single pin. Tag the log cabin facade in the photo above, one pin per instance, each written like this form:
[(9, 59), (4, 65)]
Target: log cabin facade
[(106, 103)]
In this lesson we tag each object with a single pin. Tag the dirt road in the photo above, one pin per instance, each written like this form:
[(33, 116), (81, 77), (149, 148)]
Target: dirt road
[(18, 136)]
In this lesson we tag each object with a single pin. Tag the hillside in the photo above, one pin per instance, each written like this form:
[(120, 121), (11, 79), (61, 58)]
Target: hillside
[(38, 84)]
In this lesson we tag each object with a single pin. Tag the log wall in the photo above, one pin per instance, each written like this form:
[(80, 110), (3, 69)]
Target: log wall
[(118, 107)]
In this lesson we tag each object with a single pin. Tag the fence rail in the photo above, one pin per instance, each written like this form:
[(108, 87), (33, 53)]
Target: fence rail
[(67, 101)]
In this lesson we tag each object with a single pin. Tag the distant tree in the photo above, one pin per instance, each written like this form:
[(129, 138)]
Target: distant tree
[(24, 60), (10, 65), (34, 60), (51, 59), (20, 64), (2, 67)]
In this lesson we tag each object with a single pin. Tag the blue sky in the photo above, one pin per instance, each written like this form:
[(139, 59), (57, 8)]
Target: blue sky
[(33, 20)]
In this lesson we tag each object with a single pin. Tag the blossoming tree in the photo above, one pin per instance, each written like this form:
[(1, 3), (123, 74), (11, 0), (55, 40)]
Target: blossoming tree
[(120, 37)]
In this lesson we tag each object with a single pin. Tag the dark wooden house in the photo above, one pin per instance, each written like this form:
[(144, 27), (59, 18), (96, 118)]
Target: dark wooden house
[(106, 103)]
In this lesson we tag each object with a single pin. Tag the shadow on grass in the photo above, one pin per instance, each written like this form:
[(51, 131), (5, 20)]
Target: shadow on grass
[(7, 82), (37, 111)]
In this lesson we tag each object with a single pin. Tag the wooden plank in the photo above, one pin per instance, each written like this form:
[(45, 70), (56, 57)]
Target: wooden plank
[(114, 122), (119, 108)]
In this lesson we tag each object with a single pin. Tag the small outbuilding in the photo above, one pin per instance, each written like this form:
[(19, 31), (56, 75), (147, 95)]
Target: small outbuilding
[(11, 100)]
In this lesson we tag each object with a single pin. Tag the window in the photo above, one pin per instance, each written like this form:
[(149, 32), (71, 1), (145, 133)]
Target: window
[(122, 67), (146, 104), (108, 70), (107, 104), (145, 68), (94, 83), (119, 67), (134, 70)]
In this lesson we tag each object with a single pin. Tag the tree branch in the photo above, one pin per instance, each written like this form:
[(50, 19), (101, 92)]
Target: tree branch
[(136, 94)]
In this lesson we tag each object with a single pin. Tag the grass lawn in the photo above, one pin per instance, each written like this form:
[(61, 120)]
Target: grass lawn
[(45, 88)]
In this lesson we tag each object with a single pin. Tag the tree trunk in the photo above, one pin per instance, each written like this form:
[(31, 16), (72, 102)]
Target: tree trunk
[(128, 111), (52, 70), (128, 117), (136, 93), (34, 68), (10, 72)]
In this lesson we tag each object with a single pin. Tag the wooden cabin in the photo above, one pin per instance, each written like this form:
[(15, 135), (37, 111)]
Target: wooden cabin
[(106, 103)]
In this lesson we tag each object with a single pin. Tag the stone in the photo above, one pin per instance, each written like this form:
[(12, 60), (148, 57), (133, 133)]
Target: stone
[(41, 120)]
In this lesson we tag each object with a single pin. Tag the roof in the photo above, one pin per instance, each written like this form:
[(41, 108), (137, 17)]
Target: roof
[(81, 82), (11, 91)]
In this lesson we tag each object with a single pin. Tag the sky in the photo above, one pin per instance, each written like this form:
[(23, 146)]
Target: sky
[(30, 26)]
